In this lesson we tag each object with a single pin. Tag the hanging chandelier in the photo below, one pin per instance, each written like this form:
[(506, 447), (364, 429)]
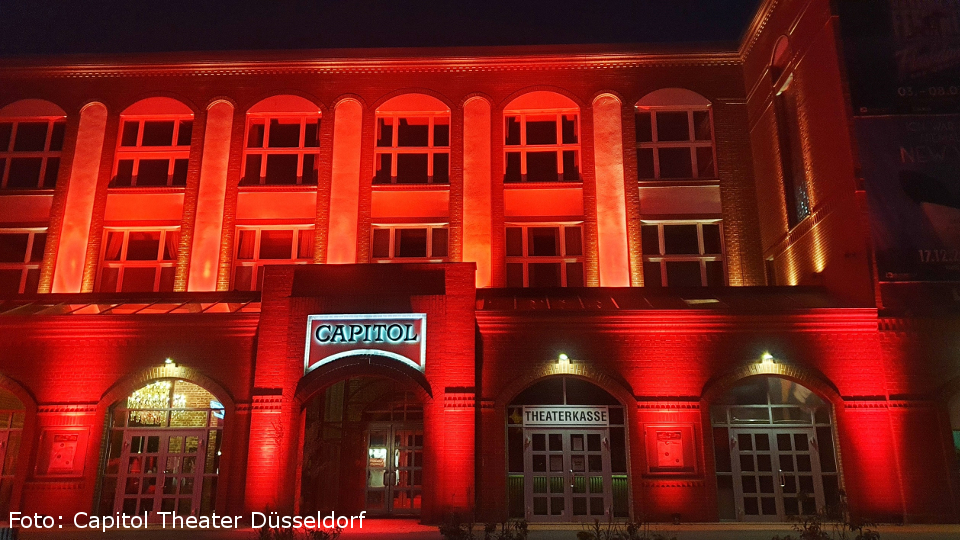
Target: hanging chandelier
[(145, 402)]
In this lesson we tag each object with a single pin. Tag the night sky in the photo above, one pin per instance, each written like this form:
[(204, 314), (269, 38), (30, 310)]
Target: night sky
[(29, 27)]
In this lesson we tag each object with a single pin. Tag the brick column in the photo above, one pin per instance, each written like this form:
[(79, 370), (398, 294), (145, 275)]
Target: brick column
[(345, 183), (611, 198), (477, 225)]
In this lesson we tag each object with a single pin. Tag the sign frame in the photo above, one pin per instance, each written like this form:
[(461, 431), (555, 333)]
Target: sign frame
[(422, 317), (567, 408)]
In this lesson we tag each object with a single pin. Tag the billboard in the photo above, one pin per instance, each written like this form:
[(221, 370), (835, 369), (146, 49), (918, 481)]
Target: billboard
[(903, 56), (911, 169)]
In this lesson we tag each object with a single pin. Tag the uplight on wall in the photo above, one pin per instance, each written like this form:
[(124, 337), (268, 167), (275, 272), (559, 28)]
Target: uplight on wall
[(169, 362), (563, 360), (767, 359)]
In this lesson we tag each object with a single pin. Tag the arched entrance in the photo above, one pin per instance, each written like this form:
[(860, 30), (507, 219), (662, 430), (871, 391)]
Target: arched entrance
[(164, 451), (774, 447), (363, 448), (12, 416), (566, 453)]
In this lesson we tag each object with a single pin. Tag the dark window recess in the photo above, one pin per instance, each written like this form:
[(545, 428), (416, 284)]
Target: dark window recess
[(680, 240), (675, 163), (276, 244), (384, 132), (124, 177), (441, 134), (130, 132), (791, 158), (705, 165), (514, 242), (543, 241), (31, 137), (651, 275), (575, 274), (411, 243), (381, 243), (650, 239), (544, 274), (39, 242), (412, 168), (701, 125), (441, 168), (50, 176), (157, 134), (56, 138), (568, 129), (683, 273), (714, 273), (542, 131), (514, 275), (251, 173), (24, 173), (542, 167), (573, 241), (512, 173), (413, 132), (153, 172), (180, 172), (711, 239), (13, 248), (645, 164), (281, 169), (6, 129), (309, 169), (440, 237), (384, 164), (672, 126), (513, 130), (571, 173), (185, 132), (284, 135), (255, 136), (143, 246), (311, 134), (10, 281), (643, 127)]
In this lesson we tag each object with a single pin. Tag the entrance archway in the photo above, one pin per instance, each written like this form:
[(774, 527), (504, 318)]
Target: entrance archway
[(775, 451), (164, 451), (566, 453), (363, 448)]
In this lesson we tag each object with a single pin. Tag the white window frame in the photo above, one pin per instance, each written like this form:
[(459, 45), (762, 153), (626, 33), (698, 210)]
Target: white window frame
[(395, 149), (692, 143), (559, 147), (122, 264), (256, 263), (394, 228), (702, 257), (172, 153), (265, 150), (562, 259), (7, 154), (27, 265)]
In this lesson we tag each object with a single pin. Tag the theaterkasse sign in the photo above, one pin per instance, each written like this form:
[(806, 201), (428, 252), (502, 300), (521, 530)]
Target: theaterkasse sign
[(398, 336), (566, 415)]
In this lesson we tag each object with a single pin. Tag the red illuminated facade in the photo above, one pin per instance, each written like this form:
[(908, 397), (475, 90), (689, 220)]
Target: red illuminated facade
[(558, 284)]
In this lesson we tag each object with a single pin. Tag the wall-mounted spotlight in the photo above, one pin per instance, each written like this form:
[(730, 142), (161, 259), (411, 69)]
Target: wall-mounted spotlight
[(563, 360), (767, 359), (169, 362)]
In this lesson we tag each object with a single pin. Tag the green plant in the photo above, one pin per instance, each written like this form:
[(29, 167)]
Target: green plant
[(455, 529), (288, 533), (612, 530)]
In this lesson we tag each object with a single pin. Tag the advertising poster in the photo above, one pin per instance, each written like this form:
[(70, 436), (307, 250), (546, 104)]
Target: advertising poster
[(903, 56), (911, 167)]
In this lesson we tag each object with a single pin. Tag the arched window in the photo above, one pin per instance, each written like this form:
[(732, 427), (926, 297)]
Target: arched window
[(282, 142), (541, 137), (674, 129), (164, 451), (31, 141), (12, 415), (413, 141), (775, 454), (154, 144)]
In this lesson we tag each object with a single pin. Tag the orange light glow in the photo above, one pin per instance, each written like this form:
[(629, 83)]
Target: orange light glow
[(477, 226), (611, 198), (345, 185)]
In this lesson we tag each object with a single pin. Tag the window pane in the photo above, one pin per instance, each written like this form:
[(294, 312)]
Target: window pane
[(143, 246), (56, 138), (31, 137), (542, 130), (311, 134), (715, 273), (701, 125), (255, 135), (514, 242), (276, 244), (108, 279), (13, 247), (514, 275), (439, 242), (24, 173), (683, 274), (179, 172), (512, 173), (544, 274), (651, 274), (282, 169), (309, 176), (705, 165), (185, 132), (650, 239), (542, 167), (645, 163), (381, 243), (680, 240), (39, 242), (167, 274), (245, 244), (385, 132), (130, 132), (672, 126), (384, 163), (124, 175), (441, 168), (153, 172), (412, 168), (171, 244), (644, 129), (568, 128), (413, 132), (114, 244), (574, 274), (543, 241), (441, 132), (711, 239), (512, 129), (573, 241), (675, 163), (305, 245), (411, 243), (284, 133), (6, 129), (251, 172), (571, 172), (33, 281), (138, 279), (50, 176), (157, 134), (242, 278)]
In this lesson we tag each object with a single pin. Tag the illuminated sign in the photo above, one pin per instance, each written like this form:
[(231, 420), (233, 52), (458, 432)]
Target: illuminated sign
[(400, 336), (566, 415)]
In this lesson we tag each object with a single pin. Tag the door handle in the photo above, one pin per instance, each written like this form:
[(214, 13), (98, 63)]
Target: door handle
[(783, 481)]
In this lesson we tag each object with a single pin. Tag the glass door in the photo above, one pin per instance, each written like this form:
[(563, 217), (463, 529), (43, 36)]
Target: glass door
[(394, 469), (161, 471), (567, 475)]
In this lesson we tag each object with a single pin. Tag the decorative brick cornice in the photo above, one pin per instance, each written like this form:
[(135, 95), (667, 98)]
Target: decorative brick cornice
[(54, 486), (67, 408), (459, 401), (646, 404), (267, 403), (693, 483)]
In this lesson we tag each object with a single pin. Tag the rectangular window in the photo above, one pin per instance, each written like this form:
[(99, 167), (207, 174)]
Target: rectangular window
[(791, 158), (674, 144), (153, 151), (281, 150), (258, 247), (682, 254), (138, 260), (544, 255), (30, 151), (21, 251), (542, 147), (409, 242), (413, 149)]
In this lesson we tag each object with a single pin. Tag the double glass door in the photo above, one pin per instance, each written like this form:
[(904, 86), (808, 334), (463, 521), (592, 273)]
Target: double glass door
[(394, 468), (776, 473), (161, 470), (567, 474)]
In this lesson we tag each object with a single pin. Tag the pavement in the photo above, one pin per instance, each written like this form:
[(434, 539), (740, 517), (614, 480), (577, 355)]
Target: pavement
[(400, 529)]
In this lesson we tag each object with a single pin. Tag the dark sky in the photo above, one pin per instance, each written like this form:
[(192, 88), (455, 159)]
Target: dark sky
[(30, 27)]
